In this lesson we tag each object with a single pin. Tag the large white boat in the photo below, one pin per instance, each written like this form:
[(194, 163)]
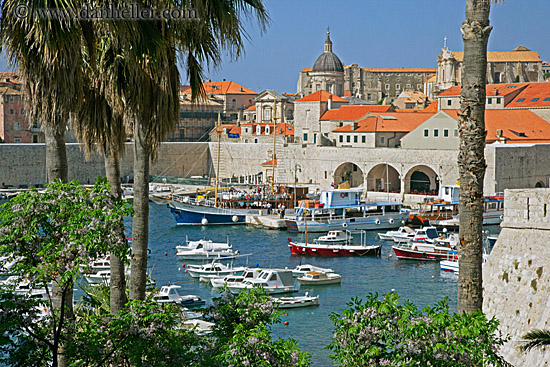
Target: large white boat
[(343, 208), (274, 281), (215, 269), (296, 302), (235, 279), (205, 249), (389, 235)]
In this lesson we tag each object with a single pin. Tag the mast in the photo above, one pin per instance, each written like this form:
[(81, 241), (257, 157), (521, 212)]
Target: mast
[(218, 132), (274, 141)]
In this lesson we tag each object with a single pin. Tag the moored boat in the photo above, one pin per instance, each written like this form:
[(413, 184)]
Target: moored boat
[(389, 235), (320, 278), (296, 302), (274, 281), (323, 249), (424, 250), (343, 208), (301, 270)]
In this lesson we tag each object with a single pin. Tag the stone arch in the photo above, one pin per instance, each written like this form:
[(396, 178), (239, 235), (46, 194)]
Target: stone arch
[(421, 179), (383, 177), (539, 184), (348, 171)]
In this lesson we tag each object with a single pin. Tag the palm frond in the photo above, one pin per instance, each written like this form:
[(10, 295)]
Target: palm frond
[(535, 338)]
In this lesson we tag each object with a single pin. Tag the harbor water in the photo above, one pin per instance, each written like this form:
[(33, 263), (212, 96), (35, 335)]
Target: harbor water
[(421, 282)]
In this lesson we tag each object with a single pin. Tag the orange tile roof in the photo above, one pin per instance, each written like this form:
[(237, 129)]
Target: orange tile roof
[(432, 108), (514, 124), (269, 163), (354, 112), (401, 70), (502, 89), (388, 122), (229, 128), (534, 95), (321, 96), (306, 70), (504, 56), (282, 128), (251, 108), (347, 93), (224, 87)]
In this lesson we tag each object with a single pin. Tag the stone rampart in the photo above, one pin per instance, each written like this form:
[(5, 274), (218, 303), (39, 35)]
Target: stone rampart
[(516, 277)]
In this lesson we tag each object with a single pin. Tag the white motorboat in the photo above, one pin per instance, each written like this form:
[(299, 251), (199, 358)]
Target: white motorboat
[(336, 237), (102, 277), (301, 270), (233, 279), (272, 280), (202, 254), (200, 327), (204, 244), (295, 302), (404, 230), (214, 268), (450, 263), (101, 264), (424, 233), (320, 278)]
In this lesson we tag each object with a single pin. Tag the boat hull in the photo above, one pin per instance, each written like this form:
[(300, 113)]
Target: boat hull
[(197, 215), (389, 221), (410, 254), (334, 250), (296, 302)]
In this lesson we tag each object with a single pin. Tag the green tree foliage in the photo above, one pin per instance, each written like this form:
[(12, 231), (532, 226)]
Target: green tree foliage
[(535, 338), (383, 332)]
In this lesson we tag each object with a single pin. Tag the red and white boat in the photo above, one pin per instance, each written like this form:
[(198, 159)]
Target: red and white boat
[(424, 250), (320, 247)]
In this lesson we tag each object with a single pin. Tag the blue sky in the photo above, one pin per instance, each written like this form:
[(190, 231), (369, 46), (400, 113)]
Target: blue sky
[(383, 33)]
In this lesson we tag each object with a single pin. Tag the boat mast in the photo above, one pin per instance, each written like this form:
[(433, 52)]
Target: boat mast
[(218, 132), (274, 118)]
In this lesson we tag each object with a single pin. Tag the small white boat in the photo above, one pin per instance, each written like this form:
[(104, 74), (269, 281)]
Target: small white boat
[(102, 277), (450, 263), (301, 270), (424, 233), (274, 281), (335, 238), (204, 244), (103, 263), (214, 268), (320, 278), (200, 327), (405, 230), (234, 279), (295, 302)]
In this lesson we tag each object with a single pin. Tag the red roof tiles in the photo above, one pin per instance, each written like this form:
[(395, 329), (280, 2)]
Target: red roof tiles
[(501, 89), (354, 112), (388, 122), (534, 95), (224, 87), (321, 96)]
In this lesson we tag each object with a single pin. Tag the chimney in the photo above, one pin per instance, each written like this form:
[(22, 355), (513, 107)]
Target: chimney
[(329, 103), (499, 133), (223, 80), (355, 126), (495, 92)]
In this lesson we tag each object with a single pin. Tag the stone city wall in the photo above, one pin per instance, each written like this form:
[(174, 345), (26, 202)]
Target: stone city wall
[(24, 165), (516, 277)]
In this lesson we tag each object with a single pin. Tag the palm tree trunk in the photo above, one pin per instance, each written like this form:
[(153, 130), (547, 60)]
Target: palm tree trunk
[(57, 169), (140, 225), (471, 157), (118, 282)]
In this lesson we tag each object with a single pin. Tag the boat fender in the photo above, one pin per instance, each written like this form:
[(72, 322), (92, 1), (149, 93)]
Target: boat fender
[(502, 217), (424, 255), (345, 225), (377, 221), (342, 195), (391, 220), (204, 221), (235, 219), (402, 222)]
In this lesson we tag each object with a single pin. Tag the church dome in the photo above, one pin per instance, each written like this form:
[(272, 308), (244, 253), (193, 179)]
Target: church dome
[(328, 61)]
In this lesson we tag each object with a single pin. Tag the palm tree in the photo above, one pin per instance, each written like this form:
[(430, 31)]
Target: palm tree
[(152, 96), (49, 68), (536, 338), (471, 159)]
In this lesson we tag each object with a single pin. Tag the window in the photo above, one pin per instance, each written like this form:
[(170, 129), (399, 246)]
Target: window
[(256, 140), (305, 136), (534, 99), (426, 132), (419, 87), (22, 111), (35, 138), (12, 111), (436, 132), (368, 96), (409, 86), (455, 133), (489, 100), (547, 99), (17, 140), (449, 102), (387, 87), (498, 100), (397, 86), (363, 139), (17, 126), (355, 138), (382, 140), (234, 103), (317, 87), (348, 138), (446, 133), (520, 100), (341, 139)]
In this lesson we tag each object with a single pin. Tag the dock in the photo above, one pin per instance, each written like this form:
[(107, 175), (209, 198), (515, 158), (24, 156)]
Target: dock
[(271, 221)]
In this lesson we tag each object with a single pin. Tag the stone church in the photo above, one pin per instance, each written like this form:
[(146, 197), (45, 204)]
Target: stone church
[(520, 65)]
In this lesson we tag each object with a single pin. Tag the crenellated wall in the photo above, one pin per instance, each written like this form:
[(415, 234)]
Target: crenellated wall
[(516, 277)]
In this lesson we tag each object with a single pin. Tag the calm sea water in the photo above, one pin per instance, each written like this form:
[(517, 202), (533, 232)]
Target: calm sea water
[(421, 282)]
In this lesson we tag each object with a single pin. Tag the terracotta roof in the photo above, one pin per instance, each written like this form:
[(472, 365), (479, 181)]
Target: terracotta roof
[(534, 95), (502, 89), (401, 70), (347, 93), (306, 70), (504, 56), (9, 91), (431, 79), (388, 122), (224, 87), (321, 96), (354, 112), (518, 126), (229, 128), (251, 108), (282, 128), (432, 108)]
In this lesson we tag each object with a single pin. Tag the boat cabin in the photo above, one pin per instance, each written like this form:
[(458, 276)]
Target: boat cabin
[(340, 197), (275, 278)]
